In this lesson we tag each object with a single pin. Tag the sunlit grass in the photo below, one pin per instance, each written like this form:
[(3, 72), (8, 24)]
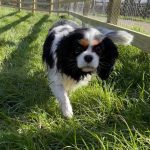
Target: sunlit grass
[(111, 115)]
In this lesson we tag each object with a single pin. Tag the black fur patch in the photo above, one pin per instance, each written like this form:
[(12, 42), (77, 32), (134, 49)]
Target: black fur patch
[(47, 53), (108, 55), (67, 52)]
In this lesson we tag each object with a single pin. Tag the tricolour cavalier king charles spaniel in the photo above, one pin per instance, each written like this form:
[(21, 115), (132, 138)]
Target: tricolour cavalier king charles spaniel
[(73, 53)]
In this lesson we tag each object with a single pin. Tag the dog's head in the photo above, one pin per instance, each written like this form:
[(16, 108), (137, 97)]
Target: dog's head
[(94, 51)]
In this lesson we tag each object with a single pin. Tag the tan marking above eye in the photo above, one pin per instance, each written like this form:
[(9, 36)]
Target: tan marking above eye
[(85, 42), (95, 42)]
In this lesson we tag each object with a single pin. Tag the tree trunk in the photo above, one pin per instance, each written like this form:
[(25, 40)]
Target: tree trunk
[(86, 7)]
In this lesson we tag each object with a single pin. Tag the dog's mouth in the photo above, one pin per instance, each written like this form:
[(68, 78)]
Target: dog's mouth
[(88, 69)]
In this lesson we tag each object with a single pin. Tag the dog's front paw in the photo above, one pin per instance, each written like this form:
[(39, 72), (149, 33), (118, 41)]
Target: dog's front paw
[(67, 110)]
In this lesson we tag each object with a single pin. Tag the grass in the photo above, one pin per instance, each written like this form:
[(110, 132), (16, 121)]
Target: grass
[(111, 115), (138, 29), (141, 19)]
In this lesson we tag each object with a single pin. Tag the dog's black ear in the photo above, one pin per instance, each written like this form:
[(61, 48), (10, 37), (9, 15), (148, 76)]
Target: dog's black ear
[(108, 56)]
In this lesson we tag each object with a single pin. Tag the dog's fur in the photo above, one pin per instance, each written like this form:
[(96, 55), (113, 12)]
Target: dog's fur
[(73, 53)]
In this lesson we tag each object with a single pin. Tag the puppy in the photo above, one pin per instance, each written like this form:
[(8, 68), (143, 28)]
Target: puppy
[(72, 54)]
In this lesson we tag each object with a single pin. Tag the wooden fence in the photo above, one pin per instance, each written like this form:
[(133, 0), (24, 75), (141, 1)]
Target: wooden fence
[(141, 41)]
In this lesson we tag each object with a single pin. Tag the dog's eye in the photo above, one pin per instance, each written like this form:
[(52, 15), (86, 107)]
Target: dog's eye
[(79, 50), (97, 49)]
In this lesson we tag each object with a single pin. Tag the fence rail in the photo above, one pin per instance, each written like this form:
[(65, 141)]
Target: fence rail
[(141, 41)]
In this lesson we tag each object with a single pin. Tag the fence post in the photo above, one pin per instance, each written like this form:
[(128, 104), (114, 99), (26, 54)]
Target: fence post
[(86, 8), (75, 6), (113, 11), (33, 6), (58, 7), (19, 5), (83, 25), (68, 7), (51, 6)]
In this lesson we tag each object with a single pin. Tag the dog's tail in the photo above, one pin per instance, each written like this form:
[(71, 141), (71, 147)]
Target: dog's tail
[(65, 22), (118, 37)]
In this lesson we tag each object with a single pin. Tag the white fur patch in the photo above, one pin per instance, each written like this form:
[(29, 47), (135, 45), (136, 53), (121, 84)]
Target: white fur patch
[(81, 63), (71, 84), (118, 37), (91, 33)]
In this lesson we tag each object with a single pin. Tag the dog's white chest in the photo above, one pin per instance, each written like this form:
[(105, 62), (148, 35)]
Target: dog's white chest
[(70, 84)]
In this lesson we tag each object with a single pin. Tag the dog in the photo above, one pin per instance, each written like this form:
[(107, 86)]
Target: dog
[(72, 54)]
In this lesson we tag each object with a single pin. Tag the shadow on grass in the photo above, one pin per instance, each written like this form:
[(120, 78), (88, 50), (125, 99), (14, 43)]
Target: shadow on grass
[(132, 72), (6, 42), (13, 24), (71, 137), (134, 75), (44, 139), (19, 90), (9, 15), (132, 83)]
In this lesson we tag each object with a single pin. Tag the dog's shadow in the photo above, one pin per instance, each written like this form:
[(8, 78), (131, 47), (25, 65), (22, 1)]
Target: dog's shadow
[(19, 93)]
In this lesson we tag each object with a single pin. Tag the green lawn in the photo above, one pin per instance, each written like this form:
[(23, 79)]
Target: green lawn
[(114, 115)]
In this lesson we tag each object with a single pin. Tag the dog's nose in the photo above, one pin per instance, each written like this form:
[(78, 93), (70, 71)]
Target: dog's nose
[(88, 58)]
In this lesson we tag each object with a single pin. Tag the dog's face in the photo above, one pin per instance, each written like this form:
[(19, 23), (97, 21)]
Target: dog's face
[(93, 52), (89, 56)]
